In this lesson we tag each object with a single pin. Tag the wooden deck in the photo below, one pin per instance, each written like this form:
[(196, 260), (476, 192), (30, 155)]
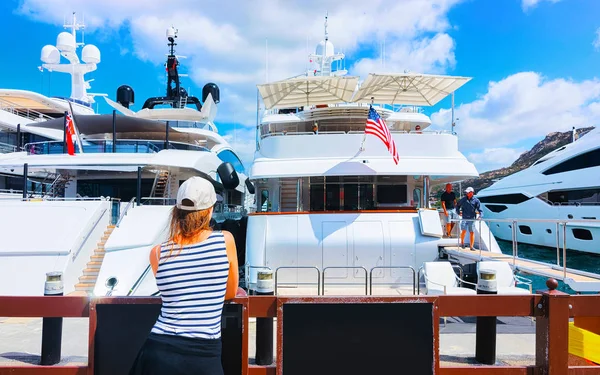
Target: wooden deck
[(579, 281)]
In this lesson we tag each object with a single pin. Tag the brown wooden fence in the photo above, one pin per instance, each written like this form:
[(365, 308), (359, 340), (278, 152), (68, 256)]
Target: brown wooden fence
[(552, 310)]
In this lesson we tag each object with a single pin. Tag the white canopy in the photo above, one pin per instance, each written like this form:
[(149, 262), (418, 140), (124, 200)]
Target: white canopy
[(407, 88), (309, 90)]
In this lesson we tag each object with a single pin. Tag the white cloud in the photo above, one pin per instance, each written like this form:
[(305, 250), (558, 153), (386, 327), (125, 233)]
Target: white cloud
[(493, 158), (529, 4), (225, 41), (596, 42), (524, 106)]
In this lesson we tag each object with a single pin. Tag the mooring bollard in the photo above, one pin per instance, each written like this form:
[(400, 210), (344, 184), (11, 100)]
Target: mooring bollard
[(52, 327), (485, 334), (264, 326)]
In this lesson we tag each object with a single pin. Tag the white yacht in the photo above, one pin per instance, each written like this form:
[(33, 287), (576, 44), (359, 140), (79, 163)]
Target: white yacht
[(331, 200), (94, 215), (562, 185), (19, 109)]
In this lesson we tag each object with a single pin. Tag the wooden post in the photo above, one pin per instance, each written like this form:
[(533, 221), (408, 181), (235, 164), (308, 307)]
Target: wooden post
[(552, 331)]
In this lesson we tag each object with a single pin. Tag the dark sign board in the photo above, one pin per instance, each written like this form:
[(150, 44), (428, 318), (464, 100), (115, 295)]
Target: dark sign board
[(358, 338), (121, 330)]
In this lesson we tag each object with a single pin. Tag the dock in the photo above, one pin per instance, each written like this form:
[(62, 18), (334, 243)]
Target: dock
[(579, 281)]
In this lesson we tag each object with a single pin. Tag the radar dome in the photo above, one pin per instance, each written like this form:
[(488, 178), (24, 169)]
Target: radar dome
[(66, 42), (50, 55), (90, 54), (171, 32), (325, 48)]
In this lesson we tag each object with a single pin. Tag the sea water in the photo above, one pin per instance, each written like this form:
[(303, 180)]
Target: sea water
[(575, 259)]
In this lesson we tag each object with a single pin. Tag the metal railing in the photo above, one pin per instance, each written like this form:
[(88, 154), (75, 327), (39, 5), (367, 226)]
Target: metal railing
[(390, 267), (23, 112), (297, 268), (345, 267), (342, 132), (561, 252), (129, 205)]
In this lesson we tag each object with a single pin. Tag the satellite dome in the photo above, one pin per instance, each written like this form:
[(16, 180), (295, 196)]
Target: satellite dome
[(325, 48), (50, 55), (90, 54), (66, 42)]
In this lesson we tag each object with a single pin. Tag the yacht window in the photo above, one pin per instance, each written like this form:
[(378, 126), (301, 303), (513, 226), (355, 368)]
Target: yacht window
[(350, 197), (506, 198), (575, 197), (332, 197), (582, 234), (265, 203), (495, 207), (525, 229), (417, 197), (586, 160), (391, 195), (230, 157), (317, 197)]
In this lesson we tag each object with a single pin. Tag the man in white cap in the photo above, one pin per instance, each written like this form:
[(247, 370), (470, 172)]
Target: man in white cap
[(469, 207)]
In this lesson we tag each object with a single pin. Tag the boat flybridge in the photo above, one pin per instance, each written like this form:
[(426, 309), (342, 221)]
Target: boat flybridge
[(561, 185), (19, 109), (95, 213), (330, 200)]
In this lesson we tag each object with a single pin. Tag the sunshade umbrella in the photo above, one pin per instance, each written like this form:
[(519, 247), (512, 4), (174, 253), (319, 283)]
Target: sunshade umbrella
[(407, 88), (309, 90)]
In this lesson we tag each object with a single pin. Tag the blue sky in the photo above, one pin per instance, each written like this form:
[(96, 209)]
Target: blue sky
[(534, 63)]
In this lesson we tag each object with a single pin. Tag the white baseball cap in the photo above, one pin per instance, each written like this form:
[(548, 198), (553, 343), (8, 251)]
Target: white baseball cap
[(199, 191), (469, 190)]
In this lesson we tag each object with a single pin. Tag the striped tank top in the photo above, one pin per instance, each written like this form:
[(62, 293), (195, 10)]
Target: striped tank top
[(192, 284)]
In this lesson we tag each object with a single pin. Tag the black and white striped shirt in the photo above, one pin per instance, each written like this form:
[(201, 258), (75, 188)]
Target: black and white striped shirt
[(192, 283)]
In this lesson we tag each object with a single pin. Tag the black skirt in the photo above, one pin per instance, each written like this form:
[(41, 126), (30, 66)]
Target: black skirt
[(175, 355)]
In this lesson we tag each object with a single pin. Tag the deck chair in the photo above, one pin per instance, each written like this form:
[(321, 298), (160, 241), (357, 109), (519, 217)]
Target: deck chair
[(440, 279), (506, 278)]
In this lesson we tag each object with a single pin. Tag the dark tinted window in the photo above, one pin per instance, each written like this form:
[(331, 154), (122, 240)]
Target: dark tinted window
[(524, 229), (496, 207), (583, 196), (230, 157), (585, 160), (582, 234), (506, 198), (391, 194)]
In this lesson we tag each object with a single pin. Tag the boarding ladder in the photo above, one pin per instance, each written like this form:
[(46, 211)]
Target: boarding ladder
[(288, 195), (161, 184)]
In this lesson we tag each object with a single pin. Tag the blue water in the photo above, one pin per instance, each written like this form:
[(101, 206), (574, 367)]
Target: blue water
[(575, 259)]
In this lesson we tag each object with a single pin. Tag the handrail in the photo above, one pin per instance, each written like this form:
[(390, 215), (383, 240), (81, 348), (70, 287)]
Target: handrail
[(131, 202), (390, 267), (98, 217), (346, 267), (300, 267), (27, 113), (138, 282)]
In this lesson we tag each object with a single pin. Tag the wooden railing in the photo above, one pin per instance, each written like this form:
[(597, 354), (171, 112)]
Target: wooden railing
[(552, 310)]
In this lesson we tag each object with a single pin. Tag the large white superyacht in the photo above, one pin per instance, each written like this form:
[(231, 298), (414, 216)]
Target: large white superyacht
[(562, 185), (94, 212), (330, 200)]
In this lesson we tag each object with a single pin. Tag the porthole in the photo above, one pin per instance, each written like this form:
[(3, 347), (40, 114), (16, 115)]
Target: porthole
[(570, 216), (582, 234), (525, 229), (549, 231)]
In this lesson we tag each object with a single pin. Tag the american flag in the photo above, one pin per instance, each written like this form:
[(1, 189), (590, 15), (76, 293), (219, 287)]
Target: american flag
[(70, 134), (377, 127)]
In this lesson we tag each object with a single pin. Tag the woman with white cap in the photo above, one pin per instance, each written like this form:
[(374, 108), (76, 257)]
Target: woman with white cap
[(196, 270)]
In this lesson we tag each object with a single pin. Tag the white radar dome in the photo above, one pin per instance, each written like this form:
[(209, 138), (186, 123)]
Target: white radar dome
[(66, 42), (170, 32), (90, 54), (50, 55), (325, 48)]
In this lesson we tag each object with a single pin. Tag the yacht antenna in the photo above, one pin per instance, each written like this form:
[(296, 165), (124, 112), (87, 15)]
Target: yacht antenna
[(325, 46)]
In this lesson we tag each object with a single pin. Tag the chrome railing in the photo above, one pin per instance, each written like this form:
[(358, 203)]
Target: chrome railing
[(342, 132), (23, 112), (561, 251), (125, 210)]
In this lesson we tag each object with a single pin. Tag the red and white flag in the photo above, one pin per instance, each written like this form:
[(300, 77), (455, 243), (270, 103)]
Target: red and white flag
[(377, 127)]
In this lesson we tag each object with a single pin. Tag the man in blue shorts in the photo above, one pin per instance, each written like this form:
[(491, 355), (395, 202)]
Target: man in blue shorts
[(448, 199), (470, 207)]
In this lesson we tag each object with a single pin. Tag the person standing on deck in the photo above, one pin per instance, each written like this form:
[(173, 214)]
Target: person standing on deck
[(470, 207), (196, 270), (448, 199)]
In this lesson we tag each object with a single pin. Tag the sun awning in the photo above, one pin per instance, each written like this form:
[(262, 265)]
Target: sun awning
[(407, 88), (309, 90)]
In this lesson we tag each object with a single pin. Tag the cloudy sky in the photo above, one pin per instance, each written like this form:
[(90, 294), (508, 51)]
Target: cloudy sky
[(534, 63)]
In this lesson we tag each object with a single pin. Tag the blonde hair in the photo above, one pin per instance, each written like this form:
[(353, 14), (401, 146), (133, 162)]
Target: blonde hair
[(186, 225)]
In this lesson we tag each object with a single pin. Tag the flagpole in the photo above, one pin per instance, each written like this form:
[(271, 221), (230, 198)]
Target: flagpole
[(362, 144), (79, 146)]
